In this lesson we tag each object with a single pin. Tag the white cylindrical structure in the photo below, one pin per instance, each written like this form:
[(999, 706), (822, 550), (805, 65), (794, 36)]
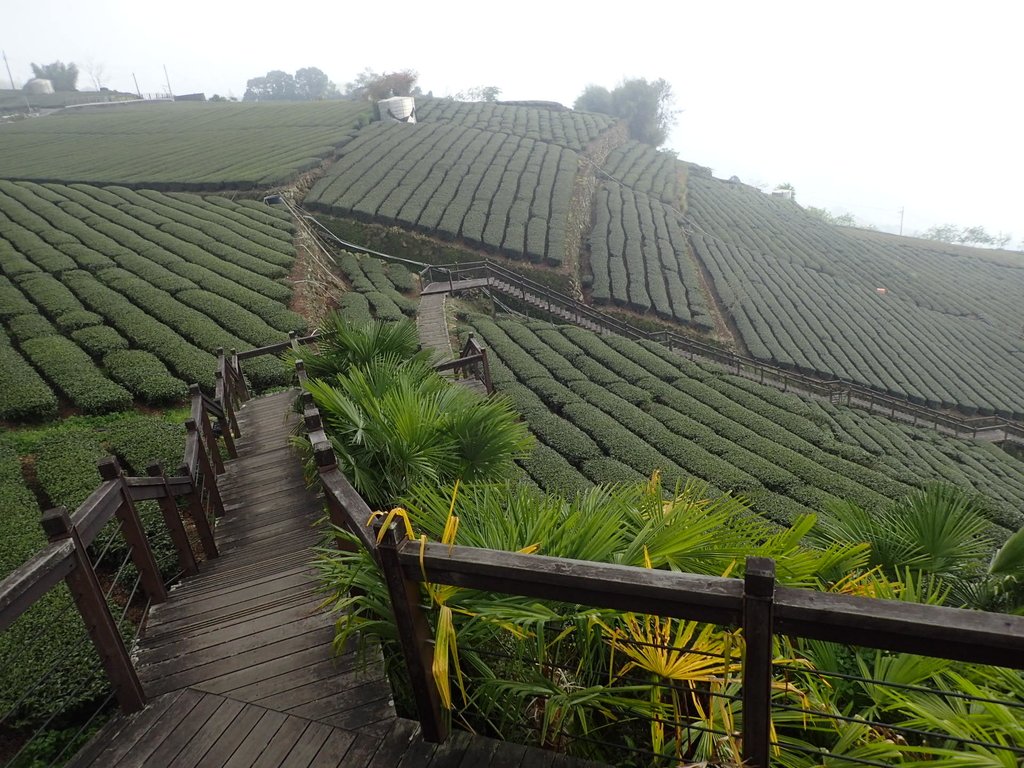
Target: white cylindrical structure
[(39, 86), (397, 109)]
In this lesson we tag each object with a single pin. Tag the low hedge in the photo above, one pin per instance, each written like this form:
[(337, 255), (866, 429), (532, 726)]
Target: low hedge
[(99, 340), (143, 374), (72, 371), (25, 327), (24, 396), (76, 319)]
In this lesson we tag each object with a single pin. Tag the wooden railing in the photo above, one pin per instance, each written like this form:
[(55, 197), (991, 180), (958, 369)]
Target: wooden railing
[(65, 559), (470, 364), (756, 604), (838, 391)]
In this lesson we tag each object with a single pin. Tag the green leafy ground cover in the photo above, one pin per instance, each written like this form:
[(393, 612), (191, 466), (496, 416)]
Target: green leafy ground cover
[(180, 145), (91, 271), (606, 409)]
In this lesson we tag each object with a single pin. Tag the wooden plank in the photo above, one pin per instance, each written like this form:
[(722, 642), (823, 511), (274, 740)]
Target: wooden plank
[(479, 752), (308, 747), (334, 749), (319, 638), (348, 673), (185, 730), (510, 755), (232, 737), (356, 697), (119, 736), (395, 744), (286, 738), (449, 754), (227, 683), (134, 752), (187, 656), (252, 747), (208, 734)]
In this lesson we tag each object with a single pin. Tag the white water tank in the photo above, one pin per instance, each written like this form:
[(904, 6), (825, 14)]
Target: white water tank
[(39, 86), (397, 109)]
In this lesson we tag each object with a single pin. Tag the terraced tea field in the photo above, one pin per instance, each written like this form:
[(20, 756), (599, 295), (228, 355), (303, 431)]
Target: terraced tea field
[(606, 409), (110, 296), (938, 325)]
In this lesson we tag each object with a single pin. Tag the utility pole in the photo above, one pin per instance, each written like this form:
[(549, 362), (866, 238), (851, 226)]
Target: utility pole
[(137, 89), (901, 220), (170, 93), (9, 75)]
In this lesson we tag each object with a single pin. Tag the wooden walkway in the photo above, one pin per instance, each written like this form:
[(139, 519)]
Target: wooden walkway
[(238, 663)]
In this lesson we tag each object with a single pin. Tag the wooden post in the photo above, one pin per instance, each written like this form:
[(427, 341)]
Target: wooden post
[(99, 623), (237, 366), (228, 423), (207, 471), (300, 372), (758, 617), (169, 510), (213, 450), (326, 461), (199, 518), (414, 636), (293, 340), (134, 535)]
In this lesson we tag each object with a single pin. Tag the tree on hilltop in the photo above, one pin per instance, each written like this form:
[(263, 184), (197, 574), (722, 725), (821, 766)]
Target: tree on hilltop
[(63, 76), (479, 93), (973, 236), (645, 106), (307, 84), (840, 220), (374, 86), (311, 84)]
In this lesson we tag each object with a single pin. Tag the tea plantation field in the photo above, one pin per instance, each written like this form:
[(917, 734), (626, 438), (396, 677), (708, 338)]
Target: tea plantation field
[(196, 146), (607, 409), (939, 325), (110, 296)]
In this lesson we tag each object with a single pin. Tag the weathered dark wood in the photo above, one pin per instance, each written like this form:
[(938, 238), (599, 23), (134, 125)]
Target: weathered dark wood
[(29, 582), (201, 417), (88, 598), (414, 636), (226, 420), (345, 507), (929, 630), (206, 470), (149, 488), (97, 510), (172, 519), (702, 598), (758, 595), (134, 534), (199, 518)]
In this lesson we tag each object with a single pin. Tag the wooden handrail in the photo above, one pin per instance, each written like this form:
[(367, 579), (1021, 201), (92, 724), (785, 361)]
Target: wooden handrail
[(33, 579), (927, 630)]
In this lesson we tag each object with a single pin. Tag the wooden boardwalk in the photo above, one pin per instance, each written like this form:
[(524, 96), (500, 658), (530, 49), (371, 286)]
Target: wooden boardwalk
[(238, 663)]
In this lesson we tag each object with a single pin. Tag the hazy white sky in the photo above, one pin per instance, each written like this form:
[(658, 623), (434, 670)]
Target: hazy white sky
[(864, 107)]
